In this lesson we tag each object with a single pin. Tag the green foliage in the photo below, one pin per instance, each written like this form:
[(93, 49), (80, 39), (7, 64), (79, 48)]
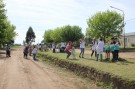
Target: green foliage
[(105, 24), (47, 36), (56, 35), (2, 19), (7, 30), (30, 35), (133, 45), (9, 33), (71, 33), (65, 33)]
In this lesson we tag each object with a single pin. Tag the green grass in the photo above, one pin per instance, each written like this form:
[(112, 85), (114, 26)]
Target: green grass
[(127, 49), (124, 69), (15, 46)]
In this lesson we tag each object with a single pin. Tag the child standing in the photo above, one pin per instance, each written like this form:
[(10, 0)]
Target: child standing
[(68, 49), (82, 47), (73, 52), (116, 51), (112, 50), (34, 52), (107, 50), (94, 47)]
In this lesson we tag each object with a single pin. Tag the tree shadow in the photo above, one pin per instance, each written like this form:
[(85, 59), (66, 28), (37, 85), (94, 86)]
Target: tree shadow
[(120, 60), (2, 57)]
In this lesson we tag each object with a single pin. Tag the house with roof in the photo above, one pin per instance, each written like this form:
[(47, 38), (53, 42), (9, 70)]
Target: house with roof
[(129, 39)]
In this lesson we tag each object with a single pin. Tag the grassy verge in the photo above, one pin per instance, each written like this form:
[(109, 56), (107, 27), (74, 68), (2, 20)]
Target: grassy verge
[(123, 69), (15, 46), (127, 49)]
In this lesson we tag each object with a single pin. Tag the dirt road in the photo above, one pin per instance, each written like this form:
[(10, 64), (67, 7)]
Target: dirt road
[(19, 73)]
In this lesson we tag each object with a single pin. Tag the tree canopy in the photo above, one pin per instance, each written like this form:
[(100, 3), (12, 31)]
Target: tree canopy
[(105, 24), (65, 33), (30, 36), (47, 36), (7, 30)]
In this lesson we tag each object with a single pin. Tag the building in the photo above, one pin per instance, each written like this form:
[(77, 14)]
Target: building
[(129, 39)]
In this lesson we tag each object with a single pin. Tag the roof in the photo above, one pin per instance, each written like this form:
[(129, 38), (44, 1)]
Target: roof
[(130, 34)]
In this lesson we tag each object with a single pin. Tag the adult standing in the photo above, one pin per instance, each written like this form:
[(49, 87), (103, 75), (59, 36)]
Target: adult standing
[(8, 50), (25, 52), (82, 47), (34, 52), (53, 47), (68, 49), (99, 49), (95, 43)]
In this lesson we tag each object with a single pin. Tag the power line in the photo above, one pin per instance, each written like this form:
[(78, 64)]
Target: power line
[(130, 20)]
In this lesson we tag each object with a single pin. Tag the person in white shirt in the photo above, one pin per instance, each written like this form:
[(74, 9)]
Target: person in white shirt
[(53, 47), (82, 47), (63, 46), (99, 49), (34, 52)]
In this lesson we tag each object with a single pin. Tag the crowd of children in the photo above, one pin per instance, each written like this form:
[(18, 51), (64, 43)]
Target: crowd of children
[(30, 50), (111, 46), (98, 47)]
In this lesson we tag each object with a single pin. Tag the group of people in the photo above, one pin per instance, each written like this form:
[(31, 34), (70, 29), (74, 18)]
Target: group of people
[(98, 47), (71, 50), (30, 50), (111, 46)]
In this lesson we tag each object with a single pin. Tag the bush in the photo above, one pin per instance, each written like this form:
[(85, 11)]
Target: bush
[(133, 45)]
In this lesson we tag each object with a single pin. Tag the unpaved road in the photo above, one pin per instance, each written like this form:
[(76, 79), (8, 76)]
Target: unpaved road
[(19, 73)]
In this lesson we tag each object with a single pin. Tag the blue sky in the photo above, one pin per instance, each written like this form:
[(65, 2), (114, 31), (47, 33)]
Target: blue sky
[(42, 15)]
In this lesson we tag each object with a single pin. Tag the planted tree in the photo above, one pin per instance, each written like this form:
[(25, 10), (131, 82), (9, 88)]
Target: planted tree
[(7, 30), (56, 35), (105, 25), (2, 20), (9, 33), (71, 33), (47, 36), (30, 36)]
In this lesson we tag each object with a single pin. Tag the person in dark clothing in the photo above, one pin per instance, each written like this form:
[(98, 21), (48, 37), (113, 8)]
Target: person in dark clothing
[(8, 51), (25, 51)]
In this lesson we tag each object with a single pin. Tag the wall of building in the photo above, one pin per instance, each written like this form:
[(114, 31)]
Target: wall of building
[(129, 40)]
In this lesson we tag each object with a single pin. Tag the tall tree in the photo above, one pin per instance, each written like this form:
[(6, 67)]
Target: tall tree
[(2, 20), (7, 30), (30, 36), (9, 33), (105, 24)]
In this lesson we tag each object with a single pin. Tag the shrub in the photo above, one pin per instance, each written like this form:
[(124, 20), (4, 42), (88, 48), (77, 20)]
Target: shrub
[(133, 45)]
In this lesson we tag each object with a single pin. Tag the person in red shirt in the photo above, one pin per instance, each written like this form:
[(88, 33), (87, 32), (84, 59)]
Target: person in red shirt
[(68, 49)]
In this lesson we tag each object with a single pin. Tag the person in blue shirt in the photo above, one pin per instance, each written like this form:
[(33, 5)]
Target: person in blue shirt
[(112, 50), (116, 50), (107, 50)]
